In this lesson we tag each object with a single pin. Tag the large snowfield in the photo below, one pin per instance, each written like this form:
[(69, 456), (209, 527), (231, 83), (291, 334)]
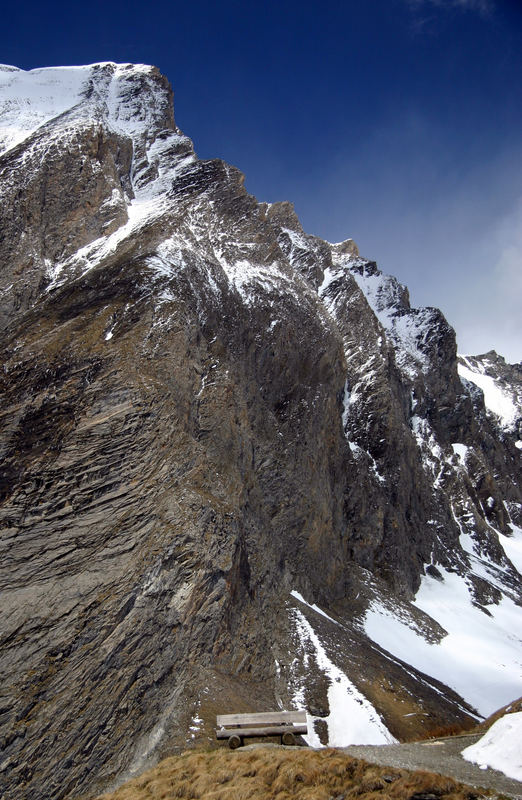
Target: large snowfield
[(481, 655)]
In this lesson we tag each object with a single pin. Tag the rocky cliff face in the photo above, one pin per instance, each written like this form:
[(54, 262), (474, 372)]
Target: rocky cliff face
[(238, 472)]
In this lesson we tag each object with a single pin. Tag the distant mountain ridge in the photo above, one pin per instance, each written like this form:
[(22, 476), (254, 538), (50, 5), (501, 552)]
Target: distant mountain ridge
[(239, 470)]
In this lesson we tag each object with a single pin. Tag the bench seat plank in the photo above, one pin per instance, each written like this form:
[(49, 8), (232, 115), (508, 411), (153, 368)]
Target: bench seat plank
[(270, 730), (267, 718)]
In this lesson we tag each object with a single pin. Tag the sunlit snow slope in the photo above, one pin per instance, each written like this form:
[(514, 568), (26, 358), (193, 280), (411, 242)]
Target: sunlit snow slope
[(481, 654)]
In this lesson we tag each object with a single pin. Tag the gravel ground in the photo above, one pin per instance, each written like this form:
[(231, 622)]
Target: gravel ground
[(438, 755)]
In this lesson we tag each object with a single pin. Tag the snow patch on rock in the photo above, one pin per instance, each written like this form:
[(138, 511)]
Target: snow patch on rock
[(512, 546), (352, 718), (495, 399)]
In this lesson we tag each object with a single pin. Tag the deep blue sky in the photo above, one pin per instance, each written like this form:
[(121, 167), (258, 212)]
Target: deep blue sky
[(395, 122)]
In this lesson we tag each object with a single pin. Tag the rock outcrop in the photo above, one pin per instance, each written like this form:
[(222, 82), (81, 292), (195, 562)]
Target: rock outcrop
[(224, 442)]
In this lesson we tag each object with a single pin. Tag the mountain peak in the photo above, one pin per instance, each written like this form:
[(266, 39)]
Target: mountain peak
[(239, 470), (134, 98)]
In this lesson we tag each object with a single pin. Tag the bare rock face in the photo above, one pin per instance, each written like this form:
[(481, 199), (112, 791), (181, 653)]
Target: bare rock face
[(226, 446)]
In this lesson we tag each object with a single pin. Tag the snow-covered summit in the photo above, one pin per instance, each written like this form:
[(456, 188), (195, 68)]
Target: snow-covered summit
[(33, 98), (124, 114), (30, 99)]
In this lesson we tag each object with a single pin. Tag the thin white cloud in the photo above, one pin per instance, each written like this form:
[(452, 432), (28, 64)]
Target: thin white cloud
[(427, 15), (507, 274), (484, 7)]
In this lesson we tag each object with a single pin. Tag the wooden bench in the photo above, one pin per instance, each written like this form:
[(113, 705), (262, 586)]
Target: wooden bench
[(236, 727)]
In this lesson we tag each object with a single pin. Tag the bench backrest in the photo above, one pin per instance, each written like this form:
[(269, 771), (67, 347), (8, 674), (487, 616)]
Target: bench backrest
[(264, 718)]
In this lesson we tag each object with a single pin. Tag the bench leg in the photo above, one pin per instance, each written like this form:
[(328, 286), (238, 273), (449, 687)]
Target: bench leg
[(288, 738), (235, 741)]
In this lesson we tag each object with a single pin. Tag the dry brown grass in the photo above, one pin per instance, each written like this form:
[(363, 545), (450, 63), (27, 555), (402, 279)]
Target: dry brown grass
[(456, 730), (447, 730), (279, 774)]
